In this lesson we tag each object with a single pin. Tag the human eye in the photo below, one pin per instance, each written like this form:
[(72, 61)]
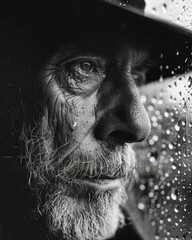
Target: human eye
[(139, 77), (83, 70), (83, 74)]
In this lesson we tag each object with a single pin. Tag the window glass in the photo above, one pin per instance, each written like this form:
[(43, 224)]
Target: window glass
[(162, 190)]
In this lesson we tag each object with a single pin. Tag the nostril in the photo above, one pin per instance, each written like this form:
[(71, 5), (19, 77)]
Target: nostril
[(123, 136)]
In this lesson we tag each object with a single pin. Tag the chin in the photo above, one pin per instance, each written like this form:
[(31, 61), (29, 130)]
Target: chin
[(90, 214)]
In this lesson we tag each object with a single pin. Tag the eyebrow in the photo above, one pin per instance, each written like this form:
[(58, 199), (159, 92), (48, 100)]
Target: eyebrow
[(143, 59), (146, 63), (65, 56)]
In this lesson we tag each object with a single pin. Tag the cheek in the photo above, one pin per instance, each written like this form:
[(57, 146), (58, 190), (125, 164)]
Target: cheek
[(70, 117), (79, 114)]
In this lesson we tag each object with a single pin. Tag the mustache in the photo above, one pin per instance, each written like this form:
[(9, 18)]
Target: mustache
[(46, 165), (102, 163)]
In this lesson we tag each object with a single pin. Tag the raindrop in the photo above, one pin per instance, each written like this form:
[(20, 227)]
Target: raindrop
[(172, 119), (173, 166), (185, 107), (154, 119), (151, 194), (154, 100), (153, 160), (185, 207), (161, 221), (143, 99), (169, 219), (162, 192), (154, 10), (160, 101), (166, 114), (152, 223), (151, 142), (164, 7), (167, 66), (170, 146), (174, 194), (176, 209), (155, 138), (141, 206), (183, 122), (142, 187), (177, 127), (73, 125), (168, 132), (189, 81), (150, 107)]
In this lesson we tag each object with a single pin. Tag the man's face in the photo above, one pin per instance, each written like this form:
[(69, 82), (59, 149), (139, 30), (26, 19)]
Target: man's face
[(79, 153)]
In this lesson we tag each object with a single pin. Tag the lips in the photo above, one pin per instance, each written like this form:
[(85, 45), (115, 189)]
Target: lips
[(101, 184)]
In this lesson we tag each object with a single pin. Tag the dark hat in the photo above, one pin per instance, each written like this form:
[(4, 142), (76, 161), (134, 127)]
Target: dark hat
[(50, 24)]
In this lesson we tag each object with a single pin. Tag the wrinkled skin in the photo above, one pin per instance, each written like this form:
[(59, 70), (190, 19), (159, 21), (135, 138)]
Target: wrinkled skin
[(78, 153)]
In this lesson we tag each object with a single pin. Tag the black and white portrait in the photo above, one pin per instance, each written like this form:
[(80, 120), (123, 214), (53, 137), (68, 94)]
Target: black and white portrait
[(96, 120)]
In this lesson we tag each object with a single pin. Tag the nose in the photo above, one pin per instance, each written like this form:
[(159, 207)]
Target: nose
[(121, 115)]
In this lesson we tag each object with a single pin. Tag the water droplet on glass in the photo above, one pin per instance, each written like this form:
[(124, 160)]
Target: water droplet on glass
[(173, 166), (141, 206), (169, 219), (150, 107), (143, 99), (177, 127), (185, 107), (164, 7), (168, 132), (170, 146), (153, 223), (185, 207), (154, 10), (160, 101), (174, 194), (176, 209), (73, 125), (189, 81), (166, 114), (183, 122)]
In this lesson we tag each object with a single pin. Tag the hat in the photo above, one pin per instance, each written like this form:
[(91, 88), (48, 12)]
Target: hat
[(52, 23)]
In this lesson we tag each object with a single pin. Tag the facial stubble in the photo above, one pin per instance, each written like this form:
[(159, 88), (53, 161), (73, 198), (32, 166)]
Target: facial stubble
[(74, 212)]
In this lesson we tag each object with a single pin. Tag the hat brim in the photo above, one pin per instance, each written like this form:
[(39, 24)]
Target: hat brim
[(171, 42), (52, 24)]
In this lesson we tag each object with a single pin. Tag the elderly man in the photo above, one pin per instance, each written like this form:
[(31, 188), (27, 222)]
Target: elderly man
[(78, 114)]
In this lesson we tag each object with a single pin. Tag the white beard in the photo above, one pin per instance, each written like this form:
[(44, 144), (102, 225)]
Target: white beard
[(95, 215), (85, 219)]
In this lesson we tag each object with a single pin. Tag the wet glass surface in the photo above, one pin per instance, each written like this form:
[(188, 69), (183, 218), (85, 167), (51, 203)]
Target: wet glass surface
[(163, 186), (164, 199)]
